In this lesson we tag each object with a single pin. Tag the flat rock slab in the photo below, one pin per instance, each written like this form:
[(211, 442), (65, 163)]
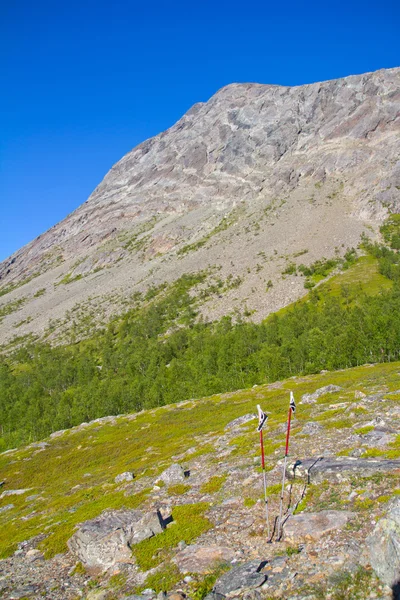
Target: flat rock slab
[(202, 559), (242, 577), (312, 526), (340, 468), (384, 546)]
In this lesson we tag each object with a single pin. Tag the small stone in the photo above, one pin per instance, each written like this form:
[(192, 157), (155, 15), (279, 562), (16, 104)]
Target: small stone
[(127, 476), (6, 507), (174, 474)]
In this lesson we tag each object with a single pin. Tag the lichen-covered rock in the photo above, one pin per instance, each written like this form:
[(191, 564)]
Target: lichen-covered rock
[(312, 526), (174, 474), (312, 398), (384, 546), (106, 540)]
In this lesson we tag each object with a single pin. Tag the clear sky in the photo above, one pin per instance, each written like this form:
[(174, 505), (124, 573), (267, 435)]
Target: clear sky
[(82, 82)]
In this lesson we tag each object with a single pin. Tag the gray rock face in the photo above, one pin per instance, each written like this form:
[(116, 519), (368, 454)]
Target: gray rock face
[(312, 526), (312, 398), (174, 474), (241, 577), (341, 468), (106, 540), (316, 162), (384, 546)]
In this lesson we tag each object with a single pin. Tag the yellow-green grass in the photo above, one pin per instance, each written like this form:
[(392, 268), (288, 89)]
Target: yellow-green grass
[(362, 277), (146, 444), (213, 485)]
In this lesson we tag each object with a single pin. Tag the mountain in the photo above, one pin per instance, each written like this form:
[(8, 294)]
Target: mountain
[(257, 179)]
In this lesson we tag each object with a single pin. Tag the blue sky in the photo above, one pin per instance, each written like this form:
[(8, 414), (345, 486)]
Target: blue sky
[(84, 82)]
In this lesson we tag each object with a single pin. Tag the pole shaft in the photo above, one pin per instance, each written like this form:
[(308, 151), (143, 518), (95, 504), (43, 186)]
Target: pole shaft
[(284, 472), (264, 482)]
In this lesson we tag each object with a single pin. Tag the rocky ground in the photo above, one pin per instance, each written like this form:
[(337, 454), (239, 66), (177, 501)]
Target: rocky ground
[(194, 525)]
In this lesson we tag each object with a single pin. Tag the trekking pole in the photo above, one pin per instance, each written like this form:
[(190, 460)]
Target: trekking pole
[(292, 408), (262, 419)]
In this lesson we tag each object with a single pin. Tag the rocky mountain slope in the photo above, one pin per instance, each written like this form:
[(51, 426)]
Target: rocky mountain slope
[(257, 178), (78, 510)]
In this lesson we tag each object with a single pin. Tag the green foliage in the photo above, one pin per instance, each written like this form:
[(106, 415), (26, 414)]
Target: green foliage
[(249, 502), (200, 588), (390, 231), (188, 524), (163, 579), (213, 485), (39, 293), (79, 569), (292, 550), (69, 278), (11, 307), (178, 489)]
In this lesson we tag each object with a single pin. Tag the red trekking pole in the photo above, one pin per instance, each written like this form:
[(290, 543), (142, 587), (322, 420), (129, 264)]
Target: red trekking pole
[(292, 408)]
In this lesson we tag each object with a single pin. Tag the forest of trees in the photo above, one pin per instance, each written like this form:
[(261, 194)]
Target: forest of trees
[(162, 353)]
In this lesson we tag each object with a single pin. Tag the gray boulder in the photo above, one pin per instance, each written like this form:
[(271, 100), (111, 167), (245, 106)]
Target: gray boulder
[(149, 525), (242, 577), (384, 546), (338, 469), (106, 540), (174, 474), (312, 398)]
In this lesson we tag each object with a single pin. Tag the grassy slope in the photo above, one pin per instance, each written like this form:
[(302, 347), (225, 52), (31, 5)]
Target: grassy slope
[(146, 443)]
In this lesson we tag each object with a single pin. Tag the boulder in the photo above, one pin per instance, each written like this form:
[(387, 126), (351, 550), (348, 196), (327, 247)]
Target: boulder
[(242, 577), (106, 540), (174, 474), (202, 559), (384, 546), (149, 525), (340, 468), (127, 476), (312, 398), (312, 526), (14, 493)]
